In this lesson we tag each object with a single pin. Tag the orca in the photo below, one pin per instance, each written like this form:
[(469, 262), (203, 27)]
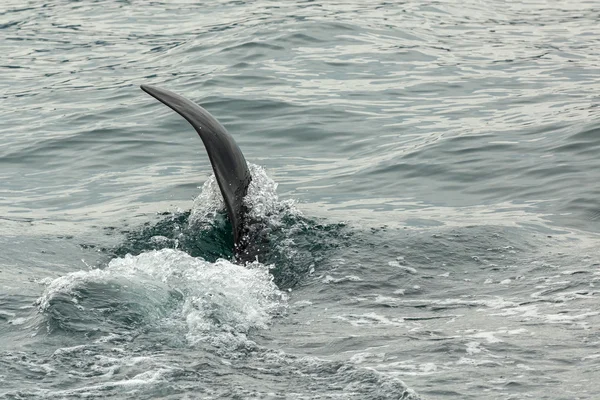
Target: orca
[(228, 162)]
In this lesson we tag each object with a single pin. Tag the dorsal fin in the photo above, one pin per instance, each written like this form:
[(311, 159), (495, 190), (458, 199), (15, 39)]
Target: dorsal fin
[(226, 158)]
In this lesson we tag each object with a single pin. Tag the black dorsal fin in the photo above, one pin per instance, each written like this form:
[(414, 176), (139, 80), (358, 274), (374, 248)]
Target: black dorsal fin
[(226, 158)]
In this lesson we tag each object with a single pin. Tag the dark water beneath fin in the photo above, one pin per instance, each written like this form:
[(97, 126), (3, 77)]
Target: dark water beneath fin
[(173, 231), (294, 247)]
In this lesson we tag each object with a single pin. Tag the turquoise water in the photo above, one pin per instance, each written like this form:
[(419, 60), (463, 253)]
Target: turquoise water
[(433, 232)]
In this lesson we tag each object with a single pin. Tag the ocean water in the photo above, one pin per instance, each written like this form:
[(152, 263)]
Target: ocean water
[(427, 174)]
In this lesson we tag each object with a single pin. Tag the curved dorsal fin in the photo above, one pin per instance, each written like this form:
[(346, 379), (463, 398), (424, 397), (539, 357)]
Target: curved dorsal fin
[(226, 158)]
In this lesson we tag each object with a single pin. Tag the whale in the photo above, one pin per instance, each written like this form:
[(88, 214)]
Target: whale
[(228, 163)]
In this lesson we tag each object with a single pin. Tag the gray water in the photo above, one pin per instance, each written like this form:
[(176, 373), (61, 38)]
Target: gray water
[(430, 194)]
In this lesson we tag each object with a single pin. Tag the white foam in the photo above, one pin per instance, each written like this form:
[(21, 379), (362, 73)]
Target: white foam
[(487, 336), (470, 361), (69, 350), (370, 319), (302, 303), (216, 298), (18, 321), (474, 348), (219, 296), (396, 264), (142, 380), (348, 278), (207, 205), (262, 201), (493, 303)]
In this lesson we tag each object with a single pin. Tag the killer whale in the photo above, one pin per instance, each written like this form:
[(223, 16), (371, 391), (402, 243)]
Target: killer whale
[(226, 158)]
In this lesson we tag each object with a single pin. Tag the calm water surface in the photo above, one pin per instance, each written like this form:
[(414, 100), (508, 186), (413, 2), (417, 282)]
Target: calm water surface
[(427, 172)]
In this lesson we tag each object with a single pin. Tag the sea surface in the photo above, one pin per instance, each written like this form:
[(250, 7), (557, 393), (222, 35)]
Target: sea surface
[(426, 174)]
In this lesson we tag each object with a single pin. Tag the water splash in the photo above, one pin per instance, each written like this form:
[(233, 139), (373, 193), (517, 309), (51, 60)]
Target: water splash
[(262, 201), (215, 301), (286, 239)]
